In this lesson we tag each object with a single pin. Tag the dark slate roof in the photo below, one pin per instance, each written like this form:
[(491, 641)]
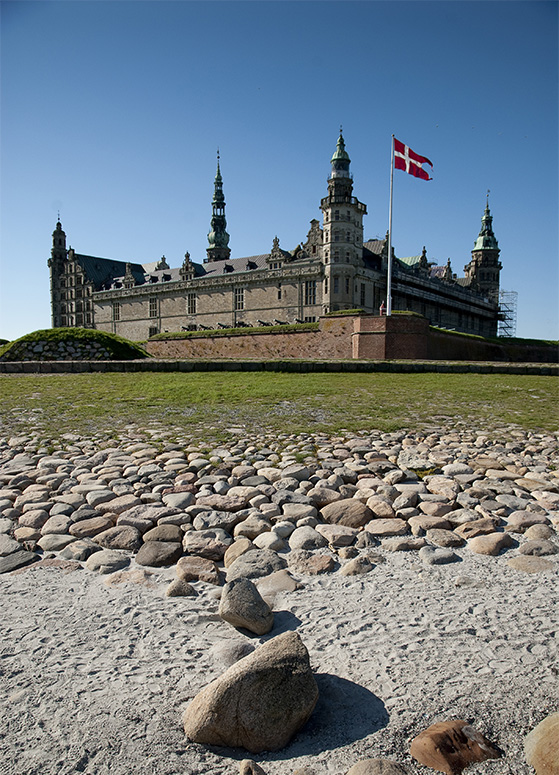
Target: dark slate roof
[(232, 265), (101, 271), (375, 246)]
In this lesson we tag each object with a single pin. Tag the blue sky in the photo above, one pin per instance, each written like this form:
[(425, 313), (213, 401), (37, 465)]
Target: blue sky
[(112, 113)]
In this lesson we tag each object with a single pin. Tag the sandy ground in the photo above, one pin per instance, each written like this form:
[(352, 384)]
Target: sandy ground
[(94, 677)]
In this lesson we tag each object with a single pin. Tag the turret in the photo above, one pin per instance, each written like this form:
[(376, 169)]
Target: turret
[(484, 268), (342, 232), (56, 265), (218, 238), (58, 242)]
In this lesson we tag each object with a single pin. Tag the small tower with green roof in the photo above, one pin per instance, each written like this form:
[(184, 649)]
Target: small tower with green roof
[(484, 268), (342, 249), (218, 238)]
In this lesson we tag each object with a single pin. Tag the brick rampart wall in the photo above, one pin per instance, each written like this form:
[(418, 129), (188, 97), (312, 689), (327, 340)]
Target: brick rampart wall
[(361, 337), (332, 340)]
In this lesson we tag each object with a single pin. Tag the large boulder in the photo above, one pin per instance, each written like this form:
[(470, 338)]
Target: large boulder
[(542, 746), (260, 702), (242, 606)]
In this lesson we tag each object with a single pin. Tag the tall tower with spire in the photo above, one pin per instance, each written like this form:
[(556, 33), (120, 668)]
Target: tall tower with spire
[(218, 238), (343, 232), (58, 255), (484, 268)]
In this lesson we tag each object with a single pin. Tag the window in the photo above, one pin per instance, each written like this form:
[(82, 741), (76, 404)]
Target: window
[(336, 284), (347, 284), (310, 319), (362, 294), (310, 292), (347, 256), (279, 291), (325, 285), (153, 331), (116, 310), (336, 215), (239, 298), (191, 303), (153, 307)]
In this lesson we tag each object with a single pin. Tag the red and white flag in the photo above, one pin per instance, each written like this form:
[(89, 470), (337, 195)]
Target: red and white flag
[(409, 161)]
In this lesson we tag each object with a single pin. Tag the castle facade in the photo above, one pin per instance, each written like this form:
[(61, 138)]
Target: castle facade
[(333, 269)]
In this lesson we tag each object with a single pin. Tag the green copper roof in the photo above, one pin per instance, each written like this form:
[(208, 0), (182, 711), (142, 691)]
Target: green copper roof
[(486, 239), (340, 154)]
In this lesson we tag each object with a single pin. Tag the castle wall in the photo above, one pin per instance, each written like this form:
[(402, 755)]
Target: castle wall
[(363, 337)]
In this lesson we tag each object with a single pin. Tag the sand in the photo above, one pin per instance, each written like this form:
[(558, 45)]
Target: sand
[(95, 676)]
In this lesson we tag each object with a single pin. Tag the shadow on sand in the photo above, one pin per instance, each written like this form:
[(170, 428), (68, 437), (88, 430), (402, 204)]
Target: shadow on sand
[(345, 712)]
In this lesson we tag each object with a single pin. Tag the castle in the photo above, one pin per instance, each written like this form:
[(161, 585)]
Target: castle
[(334, 269)]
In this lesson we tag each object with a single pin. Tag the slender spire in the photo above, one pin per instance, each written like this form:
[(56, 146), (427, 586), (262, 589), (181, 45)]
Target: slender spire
[(486, 238), (218, 238), (340, 160)]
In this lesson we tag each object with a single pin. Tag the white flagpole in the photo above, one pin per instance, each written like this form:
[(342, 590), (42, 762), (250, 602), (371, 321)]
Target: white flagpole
[(389, 275)]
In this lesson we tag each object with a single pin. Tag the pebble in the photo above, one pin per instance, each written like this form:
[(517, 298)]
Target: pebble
[(262, 503)]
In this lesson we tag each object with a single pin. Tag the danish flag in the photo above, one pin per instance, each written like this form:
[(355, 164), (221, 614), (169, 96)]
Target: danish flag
[(409, 161)]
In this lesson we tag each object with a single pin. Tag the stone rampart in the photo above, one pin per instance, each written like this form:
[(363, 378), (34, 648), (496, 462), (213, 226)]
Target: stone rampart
[(359, 337)]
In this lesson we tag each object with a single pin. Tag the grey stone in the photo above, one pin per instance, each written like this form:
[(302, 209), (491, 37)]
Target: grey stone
[(80, 550), (242, 606), (349, 511), (157, 554), (539, 548), (107, 561), (306, 538), (120, 537), (8, 545), (211, 544), (54, 542), (260, 702), (437, 555), (17, 560), (180, 588), (255, 563)]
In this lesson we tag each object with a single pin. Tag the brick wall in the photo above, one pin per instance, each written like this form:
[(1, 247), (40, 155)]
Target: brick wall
[(362, 337)]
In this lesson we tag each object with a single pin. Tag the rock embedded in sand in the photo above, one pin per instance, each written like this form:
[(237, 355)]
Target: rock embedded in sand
[(260, 702), (107, 561), (255, 563), (180, 588), (242, 606), (439, 555), (377, 767), (157, 554), (530, 564), (492, 543), (249, 767), (357, 567), (450, 746), (541, 746), (191, 568), (539, 548)]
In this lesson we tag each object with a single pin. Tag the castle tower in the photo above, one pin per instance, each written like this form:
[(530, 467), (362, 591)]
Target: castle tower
[(484, 268), (218, 239), (56, 263), (342, 232)]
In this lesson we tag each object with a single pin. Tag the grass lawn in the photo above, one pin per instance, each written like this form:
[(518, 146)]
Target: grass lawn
[(208, 404)]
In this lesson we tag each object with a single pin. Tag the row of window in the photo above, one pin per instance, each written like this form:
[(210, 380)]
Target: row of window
[(309, 296), (338, 216)]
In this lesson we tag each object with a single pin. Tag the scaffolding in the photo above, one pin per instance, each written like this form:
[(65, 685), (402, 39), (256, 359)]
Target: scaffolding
[(508, 301)]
